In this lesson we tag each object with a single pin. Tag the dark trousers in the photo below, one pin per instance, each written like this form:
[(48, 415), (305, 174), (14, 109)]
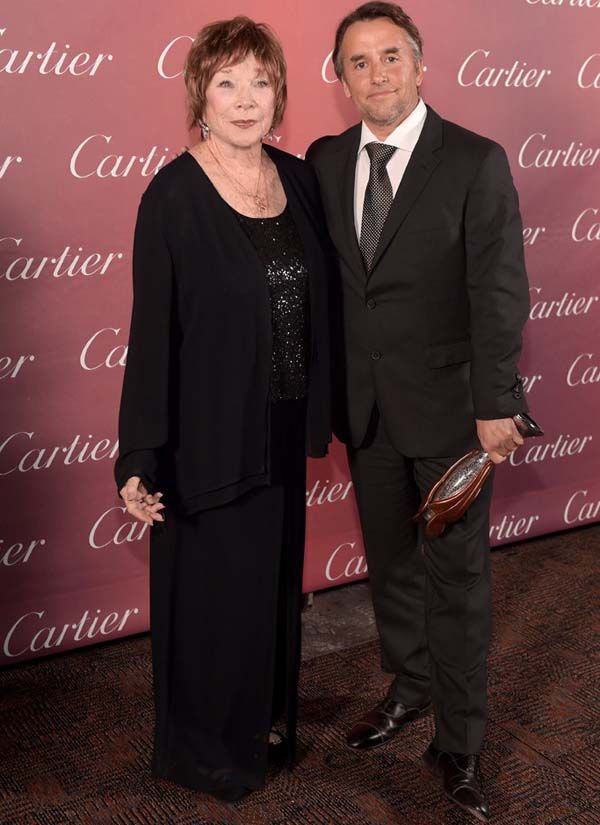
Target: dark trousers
[(431, 597)]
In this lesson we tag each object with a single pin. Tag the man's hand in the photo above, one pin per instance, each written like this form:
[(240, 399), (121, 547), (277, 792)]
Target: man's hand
[(499, 438), (140, 503)]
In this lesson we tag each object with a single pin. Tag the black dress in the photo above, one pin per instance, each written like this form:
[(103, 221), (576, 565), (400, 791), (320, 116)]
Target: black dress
[(226, 581)]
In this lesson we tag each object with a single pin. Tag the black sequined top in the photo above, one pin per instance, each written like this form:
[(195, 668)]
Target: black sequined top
[(279, 247)]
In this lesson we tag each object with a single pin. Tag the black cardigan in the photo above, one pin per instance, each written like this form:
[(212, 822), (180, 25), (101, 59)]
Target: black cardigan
[(195, 413)]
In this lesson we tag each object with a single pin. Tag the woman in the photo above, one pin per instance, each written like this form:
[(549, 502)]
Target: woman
[(226, 391)]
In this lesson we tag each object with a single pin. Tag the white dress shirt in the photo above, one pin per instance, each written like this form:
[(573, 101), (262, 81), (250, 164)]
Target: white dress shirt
[(405, 138)]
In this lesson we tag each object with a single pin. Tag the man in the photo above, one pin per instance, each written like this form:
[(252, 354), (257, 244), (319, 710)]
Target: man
[(433, 299)]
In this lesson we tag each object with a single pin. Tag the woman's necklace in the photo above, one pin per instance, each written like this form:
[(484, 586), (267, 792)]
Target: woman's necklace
[(259, 202)]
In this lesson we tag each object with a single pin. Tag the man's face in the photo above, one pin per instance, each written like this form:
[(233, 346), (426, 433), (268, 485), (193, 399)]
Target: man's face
[(380, 72)]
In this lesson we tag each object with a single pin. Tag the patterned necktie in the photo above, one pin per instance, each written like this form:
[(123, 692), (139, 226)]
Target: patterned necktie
[(378, 199)]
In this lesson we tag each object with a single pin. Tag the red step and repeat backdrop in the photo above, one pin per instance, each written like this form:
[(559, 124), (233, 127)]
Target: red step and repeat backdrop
[(92, 106)]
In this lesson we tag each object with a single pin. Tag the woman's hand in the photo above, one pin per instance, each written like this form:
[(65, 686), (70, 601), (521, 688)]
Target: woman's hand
[(140, 503)]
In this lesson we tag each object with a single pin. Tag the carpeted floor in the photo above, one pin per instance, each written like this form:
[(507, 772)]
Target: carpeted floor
[(75, 729)]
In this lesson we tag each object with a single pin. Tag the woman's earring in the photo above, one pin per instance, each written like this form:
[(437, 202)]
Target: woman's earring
[(270, 135), (204, 129)]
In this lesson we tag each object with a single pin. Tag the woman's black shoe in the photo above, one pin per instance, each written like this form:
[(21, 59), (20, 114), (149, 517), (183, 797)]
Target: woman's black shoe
[(225, 787), (278, 748)]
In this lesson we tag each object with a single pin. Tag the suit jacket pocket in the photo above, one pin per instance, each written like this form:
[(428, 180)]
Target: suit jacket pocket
[(443, 355), (415, 228)]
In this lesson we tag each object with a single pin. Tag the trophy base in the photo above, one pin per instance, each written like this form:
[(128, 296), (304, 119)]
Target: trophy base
[(437, 514), (456, 490)]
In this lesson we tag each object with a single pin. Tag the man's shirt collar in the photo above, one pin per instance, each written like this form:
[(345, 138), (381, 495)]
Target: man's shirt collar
[(404, 136)]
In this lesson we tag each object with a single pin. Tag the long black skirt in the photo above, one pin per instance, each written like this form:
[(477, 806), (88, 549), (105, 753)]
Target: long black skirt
[(225, 602)]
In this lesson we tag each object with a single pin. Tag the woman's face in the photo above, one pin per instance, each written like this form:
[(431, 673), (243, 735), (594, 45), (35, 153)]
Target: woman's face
[(240, 103)]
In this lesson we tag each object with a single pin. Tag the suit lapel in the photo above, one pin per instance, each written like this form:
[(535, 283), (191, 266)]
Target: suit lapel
[(421, 165), (346, 184)]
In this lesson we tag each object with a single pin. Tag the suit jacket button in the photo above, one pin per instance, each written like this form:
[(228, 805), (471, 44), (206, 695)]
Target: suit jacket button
[(375, 355), (516, 394), (371, 303)]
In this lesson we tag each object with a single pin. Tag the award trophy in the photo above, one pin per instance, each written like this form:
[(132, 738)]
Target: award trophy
[(460, 485)]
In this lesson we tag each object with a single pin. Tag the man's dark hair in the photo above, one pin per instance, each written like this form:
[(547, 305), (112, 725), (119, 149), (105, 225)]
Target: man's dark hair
[(374, 11)]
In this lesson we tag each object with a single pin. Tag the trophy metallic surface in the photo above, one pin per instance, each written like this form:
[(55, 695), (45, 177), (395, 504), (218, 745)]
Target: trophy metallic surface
[(460, 485)]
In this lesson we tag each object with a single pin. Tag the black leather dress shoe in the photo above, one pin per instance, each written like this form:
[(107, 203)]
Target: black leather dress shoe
[(462, 780), (382, 723)]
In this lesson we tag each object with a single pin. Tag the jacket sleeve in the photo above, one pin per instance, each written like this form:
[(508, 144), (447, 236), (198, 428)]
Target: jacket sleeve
[(497, 288), (143, 414), (309, 157), (312, 153), (142, 463)]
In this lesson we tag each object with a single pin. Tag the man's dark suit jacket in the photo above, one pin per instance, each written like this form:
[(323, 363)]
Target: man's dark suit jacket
[(195, 412), (433, 334)]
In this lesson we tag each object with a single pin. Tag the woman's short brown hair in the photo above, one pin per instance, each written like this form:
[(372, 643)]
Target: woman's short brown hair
[(373, 11), (226, 43)]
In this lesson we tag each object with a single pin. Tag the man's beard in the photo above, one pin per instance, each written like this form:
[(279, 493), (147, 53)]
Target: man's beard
[(397, 113)]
